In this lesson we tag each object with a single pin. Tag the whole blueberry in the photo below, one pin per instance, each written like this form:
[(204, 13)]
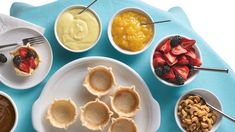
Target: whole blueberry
[(17, 60), (3, 58)]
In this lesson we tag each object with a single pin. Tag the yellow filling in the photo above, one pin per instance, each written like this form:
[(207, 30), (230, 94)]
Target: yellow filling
[(128, 33), (78, 31)]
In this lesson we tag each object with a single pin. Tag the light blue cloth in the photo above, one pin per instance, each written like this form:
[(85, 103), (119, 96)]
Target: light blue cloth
[(220, 84)]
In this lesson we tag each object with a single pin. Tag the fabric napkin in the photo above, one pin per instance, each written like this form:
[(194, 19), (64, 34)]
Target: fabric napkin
[(8, 23)]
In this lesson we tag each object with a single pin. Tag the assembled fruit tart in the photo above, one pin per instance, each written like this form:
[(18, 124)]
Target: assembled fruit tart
[(25, 60)]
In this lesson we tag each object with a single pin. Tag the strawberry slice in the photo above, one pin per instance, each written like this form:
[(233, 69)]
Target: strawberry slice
[(170, 75), (170, 59), (191, 53), (195, 62), (183, 60), (23, 52), (183, 71), (158, 60), (32, 63), (178, 50), (157, 53), (187, 43), (165, 47), (24, 67)]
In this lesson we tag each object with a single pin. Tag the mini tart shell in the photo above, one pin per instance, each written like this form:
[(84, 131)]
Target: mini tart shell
[(62, 113), (95, 115), (125, 101), (99, 81), (122, 124), (16, 52)]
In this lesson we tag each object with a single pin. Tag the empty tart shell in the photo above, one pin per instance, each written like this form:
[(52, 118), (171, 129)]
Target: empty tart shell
[(122, 124), (36, 61), (62, 113), (125, 101), (99, 80), (95, 115)]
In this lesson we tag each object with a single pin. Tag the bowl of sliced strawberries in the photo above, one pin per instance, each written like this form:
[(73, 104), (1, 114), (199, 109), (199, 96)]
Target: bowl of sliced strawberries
[(173, 59)]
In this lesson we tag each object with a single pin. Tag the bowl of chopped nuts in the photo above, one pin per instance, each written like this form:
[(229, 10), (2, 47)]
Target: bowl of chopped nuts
[(193, 114)]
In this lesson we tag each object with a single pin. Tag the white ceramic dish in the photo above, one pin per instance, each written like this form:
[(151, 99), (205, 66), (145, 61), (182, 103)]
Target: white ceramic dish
[(198, 53), (110, 30), (15, 108), (74, 7), (67, 82), (7, 72), (209, 97)]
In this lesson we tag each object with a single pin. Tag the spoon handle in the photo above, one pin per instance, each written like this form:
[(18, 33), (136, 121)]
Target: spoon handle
[(225, 115), (156, 22), (211, 69), (87, 7)]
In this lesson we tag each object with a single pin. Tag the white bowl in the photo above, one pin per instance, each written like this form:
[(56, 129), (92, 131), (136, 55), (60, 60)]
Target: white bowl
[(198, 53), (15, 108), (210, 98), (79, 7), (110, 30)]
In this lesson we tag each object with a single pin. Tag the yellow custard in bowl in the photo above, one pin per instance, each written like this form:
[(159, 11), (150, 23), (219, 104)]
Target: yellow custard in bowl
[(77, 32), (128, 34)]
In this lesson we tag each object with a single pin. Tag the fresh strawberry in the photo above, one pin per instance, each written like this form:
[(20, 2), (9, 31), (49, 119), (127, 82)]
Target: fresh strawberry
[(191, 53), (173, 80), (183, 71), (23, 52), (183, 60), (158, 61), (24, 67), (25, 61), (165, 47), (32, 63), (187, 43), (170, 59), (157, 53), (195, 62), (178, 50), (170, 75)]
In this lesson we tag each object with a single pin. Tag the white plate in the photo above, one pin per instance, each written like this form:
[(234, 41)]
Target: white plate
[(67, 83), (7, 72)]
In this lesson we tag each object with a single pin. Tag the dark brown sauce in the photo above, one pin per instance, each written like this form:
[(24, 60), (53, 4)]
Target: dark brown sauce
[(7, 114)]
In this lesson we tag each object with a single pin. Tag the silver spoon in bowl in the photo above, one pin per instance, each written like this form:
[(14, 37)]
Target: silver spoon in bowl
[(155, 22), (214, 108), (87, 7), (209, 69)]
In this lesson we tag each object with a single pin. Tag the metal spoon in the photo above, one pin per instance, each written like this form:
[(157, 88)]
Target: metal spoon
[(210, 69), (156, 22), (214, 108), (87, 7)]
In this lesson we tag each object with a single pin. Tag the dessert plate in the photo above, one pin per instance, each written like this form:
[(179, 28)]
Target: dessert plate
[(67, 83), (7, 72)]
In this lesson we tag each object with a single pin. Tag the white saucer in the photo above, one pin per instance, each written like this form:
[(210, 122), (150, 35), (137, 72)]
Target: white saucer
[(67, 83), (7, 72)]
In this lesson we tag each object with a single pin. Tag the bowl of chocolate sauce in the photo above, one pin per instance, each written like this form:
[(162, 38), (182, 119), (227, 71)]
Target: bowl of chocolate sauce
[(8, 113)]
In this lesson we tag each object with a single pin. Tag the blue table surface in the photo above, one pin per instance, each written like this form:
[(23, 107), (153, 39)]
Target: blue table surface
[(221, 85)]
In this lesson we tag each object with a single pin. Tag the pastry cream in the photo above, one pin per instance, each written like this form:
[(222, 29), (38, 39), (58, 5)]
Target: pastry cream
[(78, 31)]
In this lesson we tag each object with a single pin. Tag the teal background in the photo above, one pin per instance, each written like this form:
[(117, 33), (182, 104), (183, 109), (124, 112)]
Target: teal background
[(220, 84)]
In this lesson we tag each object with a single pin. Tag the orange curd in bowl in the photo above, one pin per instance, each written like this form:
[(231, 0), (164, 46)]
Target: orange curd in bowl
[(129, 34)]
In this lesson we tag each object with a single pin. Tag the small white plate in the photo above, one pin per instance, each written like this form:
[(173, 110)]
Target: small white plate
[(67, 83), (7, 72)]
